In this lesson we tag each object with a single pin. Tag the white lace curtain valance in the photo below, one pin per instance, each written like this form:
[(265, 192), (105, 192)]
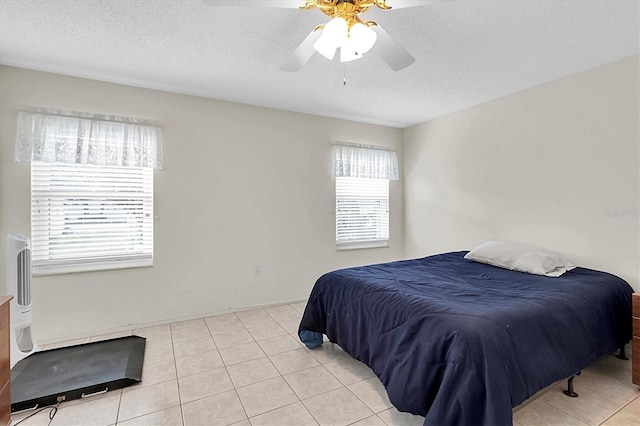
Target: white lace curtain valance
[(364, 161), (82, 138)]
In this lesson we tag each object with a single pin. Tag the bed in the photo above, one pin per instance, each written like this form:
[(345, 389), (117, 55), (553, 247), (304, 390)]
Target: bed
[(462, 342)]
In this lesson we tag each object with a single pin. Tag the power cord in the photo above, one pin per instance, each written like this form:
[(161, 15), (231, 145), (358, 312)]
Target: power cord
[(52, 413)]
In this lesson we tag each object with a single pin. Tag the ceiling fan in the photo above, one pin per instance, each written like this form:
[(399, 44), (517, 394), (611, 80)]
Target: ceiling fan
[(346, 30)]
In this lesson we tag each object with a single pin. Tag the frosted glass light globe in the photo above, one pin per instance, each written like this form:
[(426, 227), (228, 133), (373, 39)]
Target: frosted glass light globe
[(333, 35), (362, 37)]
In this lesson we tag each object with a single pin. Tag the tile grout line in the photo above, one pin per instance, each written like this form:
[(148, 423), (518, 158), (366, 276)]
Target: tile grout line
[(615, 411), (563, 411), (363, 401), (623, 409), (175, 365), (235, 391), (286, 405), (586, 391), (310, 412), (119, 404), (607, 418), (246, 415)]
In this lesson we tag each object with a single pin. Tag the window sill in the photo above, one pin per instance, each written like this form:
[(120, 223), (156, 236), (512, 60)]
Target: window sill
[(43, 270), (359, 245)]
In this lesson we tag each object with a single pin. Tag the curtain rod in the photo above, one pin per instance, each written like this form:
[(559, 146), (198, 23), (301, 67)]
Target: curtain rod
[(360, 145), (87, 116)]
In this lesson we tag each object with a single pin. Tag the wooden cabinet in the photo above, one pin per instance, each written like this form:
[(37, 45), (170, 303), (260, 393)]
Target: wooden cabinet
[(5, 362), (635, 348)]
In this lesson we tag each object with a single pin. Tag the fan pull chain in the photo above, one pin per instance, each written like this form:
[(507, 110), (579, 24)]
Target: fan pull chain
[(344, 74)]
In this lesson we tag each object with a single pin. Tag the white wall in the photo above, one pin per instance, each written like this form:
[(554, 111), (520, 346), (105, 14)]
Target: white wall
[(549, 166), (242, 187)]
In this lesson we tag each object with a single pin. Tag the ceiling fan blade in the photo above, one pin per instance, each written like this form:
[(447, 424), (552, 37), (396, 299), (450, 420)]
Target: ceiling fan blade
[(302, 54), (289, 4), (390, 50), (400, 4)]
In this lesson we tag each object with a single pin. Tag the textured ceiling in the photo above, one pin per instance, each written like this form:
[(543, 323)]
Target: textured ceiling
[(467, 52)]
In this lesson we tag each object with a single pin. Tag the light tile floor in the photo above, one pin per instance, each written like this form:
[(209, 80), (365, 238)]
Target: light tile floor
[(249, 368)]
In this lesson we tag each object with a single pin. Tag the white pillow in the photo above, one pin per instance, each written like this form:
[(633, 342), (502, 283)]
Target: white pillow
[(520, 257)]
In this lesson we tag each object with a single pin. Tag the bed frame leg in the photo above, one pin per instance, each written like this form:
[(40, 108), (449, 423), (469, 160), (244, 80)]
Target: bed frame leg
[(570, 392), (622, 354)]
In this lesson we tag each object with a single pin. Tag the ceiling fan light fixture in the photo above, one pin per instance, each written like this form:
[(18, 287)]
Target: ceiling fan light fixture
[(353, 38), (333, 35), (336, 29), (362, 37), (348, 54), (325, 47)]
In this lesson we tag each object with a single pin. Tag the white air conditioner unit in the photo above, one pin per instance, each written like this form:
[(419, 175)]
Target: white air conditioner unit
[(19, 286)]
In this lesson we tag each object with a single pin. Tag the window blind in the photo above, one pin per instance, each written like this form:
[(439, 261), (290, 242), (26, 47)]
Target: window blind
[(86, 217), (362, 211)]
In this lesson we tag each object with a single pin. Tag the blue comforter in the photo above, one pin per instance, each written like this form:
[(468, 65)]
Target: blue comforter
[(460, 342)]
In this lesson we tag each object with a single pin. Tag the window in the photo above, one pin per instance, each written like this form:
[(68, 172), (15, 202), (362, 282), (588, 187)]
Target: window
[(91, 188), (362, 176), (362, 212), (86, 217)]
